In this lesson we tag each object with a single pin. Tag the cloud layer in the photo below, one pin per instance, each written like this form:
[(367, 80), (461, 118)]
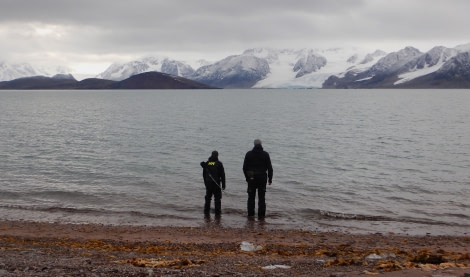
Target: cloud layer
[(99, 32)]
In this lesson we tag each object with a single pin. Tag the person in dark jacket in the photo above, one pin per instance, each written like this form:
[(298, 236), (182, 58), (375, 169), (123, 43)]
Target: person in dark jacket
[(258, 172), (214, 175)]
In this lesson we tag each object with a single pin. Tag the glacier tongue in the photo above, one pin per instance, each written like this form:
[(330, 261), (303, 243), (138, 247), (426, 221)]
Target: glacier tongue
[(337, 62)]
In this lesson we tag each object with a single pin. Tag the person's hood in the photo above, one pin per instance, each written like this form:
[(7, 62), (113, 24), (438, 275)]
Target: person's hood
[(214, 156), (258, 147), (213, 159)]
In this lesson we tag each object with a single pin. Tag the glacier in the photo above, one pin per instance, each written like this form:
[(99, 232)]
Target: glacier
[(338, 61)]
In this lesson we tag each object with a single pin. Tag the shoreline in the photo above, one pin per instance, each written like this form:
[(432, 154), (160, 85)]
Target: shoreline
[(54, 249)]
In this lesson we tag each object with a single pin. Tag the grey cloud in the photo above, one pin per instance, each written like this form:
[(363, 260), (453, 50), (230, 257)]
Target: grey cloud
[(149, 10), (121, 27)]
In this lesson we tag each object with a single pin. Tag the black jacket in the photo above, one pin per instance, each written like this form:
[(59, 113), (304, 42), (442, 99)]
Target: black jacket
[(257, 163), (213, 167)]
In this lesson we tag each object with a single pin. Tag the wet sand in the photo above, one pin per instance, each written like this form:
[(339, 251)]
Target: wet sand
[(51, 249)]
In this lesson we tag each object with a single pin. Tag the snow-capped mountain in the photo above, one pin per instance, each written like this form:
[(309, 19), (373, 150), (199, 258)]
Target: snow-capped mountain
[(259, 67), (344, 67), (454, 73), (121, 71), (11, 71), (459, 65), (242, 71), (425, 64), (396, 69), (385, 66)]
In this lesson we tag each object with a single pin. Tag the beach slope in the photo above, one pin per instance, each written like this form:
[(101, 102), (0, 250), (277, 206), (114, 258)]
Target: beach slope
[(51, 249)]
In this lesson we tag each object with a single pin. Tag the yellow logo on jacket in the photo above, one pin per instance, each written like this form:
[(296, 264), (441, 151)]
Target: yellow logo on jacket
[(211, 163)]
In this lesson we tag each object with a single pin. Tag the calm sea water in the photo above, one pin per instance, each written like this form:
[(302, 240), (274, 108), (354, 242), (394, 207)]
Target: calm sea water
[(356, 160)]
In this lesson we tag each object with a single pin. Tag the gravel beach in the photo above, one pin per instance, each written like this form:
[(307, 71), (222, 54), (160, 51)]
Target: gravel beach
[(52, 249)]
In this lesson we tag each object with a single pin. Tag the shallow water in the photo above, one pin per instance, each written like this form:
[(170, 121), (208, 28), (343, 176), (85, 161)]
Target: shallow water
[(355, 160)]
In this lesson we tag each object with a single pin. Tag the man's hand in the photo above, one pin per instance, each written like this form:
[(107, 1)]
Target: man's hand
[(269, 183)]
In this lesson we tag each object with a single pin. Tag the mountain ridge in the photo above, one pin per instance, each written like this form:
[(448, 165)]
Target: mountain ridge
[(406, 69), (146, 80), (342, 67)]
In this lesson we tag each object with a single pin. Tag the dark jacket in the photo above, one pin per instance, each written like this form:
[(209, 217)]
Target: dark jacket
[(257, 162), (213, 167)]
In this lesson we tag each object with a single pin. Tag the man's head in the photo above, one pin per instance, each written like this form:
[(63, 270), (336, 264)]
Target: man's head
[(215, 154), (257, 142)]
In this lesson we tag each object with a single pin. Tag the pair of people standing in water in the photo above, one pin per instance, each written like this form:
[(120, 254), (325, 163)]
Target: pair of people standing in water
[(258, 172)]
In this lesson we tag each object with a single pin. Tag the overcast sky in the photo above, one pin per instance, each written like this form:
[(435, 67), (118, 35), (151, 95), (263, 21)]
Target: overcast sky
[(88, 35)]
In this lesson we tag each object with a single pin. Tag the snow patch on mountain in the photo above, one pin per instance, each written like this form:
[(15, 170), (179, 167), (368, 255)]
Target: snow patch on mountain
[(408, 76)]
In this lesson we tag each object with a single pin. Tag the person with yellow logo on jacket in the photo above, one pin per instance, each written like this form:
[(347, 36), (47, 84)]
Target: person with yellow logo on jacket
[(214, 179)]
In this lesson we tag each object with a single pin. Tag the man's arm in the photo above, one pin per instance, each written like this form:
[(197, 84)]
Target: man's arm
[(270, 169), (245, 163), (203, 165), (222, 175)]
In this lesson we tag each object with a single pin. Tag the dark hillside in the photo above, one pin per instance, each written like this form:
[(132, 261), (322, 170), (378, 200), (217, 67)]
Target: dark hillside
[(148, 80), (157, 80)]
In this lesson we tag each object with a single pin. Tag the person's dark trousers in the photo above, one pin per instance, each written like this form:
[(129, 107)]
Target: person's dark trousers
[(213, 190), (259, 186)]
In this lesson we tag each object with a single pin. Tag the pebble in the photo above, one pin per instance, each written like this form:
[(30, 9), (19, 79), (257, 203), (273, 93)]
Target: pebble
[(338, 274)]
